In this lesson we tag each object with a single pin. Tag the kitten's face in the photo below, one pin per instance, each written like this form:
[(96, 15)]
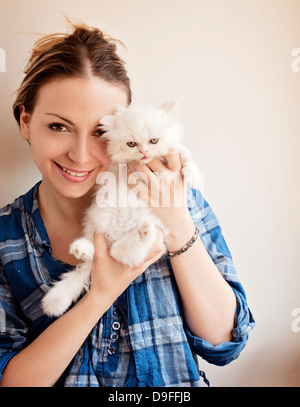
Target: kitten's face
[(140, 133)]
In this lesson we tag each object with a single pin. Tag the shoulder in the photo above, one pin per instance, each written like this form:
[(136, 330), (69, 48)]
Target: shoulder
[(12, 216)]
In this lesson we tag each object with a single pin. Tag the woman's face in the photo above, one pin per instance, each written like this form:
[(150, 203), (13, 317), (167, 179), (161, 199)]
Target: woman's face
[(64, 133)]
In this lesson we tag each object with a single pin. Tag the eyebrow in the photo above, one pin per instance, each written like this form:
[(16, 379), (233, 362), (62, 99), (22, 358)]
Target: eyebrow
[(60, 117)]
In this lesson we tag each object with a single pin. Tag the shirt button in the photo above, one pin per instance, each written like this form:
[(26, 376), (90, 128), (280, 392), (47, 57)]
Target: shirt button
[(116, 325), (114, 337), (111, 350), (115, 313)]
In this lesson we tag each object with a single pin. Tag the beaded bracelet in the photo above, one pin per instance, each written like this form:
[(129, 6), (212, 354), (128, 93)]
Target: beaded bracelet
[(186, 246)]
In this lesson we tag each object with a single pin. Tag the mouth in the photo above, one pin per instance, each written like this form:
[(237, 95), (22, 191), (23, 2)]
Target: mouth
[(71, 175), (145, 158)]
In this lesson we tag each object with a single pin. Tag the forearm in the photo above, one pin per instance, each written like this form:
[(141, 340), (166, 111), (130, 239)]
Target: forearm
[(43, 361), (208, 301)]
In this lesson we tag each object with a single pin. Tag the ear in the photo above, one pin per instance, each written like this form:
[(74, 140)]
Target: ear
[(169, 106), (24, 123)]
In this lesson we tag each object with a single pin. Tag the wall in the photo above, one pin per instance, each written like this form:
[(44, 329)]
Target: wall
[(229, 64)]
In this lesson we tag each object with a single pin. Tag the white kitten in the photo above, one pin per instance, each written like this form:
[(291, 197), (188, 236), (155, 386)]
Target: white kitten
[(138, 133)]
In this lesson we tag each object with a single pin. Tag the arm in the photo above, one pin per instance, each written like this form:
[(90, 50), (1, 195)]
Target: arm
[(43, 361), (208, 301)]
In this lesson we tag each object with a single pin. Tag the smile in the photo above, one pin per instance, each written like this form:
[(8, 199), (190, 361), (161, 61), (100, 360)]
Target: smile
[(75, 174), (71, 175)]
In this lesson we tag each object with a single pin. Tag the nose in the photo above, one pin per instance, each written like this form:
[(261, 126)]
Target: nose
[(79, 152), (143, 150)]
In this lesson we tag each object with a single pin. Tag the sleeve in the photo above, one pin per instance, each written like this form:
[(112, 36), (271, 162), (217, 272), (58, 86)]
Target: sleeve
[(13, 329), (213, 240)]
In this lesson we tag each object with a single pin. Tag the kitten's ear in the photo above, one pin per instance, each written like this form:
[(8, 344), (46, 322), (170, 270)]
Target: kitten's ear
[(107, 122), (121, 109), (169, 106)]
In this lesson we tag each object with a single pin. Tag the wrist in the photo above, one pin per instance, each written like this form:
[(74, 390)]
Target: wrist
[(186, 246), (98, 301), (180, 235)]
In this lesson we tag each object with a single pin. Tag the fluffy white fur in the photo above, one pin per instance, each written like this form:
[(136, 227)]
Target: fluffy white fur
[(130, 229)]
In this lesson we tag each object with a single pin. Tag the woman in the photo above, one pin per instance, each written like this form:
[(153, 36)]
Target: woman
[(134, 327)]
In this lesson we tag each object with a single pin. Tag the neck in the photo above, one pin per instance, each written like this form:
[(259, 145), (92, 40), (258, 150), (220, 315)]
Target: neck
[(51, 203)]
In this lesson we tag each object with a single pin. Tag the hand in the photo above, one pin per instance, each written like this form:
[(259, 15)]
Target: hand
[(110, 277), (162, 187)]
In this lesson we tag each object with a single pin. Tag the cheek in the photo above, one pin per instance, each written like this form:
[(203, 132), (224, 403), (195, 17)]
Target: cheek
[(163, 147), (45, 144), (158, 151), (123, 153), (41, 156), (99, 151), (133, 151), (42, 150)]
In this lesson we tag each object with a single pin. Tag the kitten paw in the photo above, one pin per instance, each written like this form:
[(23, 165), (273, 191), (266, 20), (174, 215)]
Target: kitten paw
[(82, 249), (134, 247), (55, 303), (146, 231), (191, 175)]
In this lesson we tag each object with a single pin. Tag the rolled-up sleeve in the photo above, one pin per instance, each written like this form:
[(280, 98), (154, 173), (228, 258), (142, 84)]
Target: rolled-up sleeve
[(226, 352), (13, 329), (213, 240)]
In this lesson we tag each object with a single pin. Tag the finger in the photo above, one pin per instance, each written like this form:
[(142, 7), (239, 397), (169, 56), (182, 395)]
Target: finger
[(100, 245), (154, 259), (157, 251), (139, 171), (157, 165), (142, 173), (158, 247), (139, 187), (140, 167), (173, 158)]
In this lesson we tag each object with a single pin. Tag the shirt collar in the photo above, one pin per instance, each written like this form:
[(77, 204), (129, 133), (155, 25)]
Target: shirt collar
[(31, 207)]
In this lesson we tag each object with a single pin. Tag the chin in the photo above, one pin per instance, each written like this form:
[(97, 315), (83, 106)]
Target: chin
[(75, 191)]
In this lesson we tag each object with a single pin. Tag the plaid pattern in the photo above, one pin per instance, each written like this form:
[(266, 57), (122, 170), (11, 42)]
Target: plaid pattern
[(142, 340)]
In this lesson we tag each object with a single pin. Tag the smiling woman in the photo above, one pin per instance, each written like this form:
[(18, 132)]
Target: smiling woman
[(136, 326), (69, 148)]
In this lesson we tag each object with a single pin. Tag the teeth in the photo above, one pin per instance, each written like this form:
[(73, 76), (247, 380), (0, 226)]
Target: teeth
[(75, 174)]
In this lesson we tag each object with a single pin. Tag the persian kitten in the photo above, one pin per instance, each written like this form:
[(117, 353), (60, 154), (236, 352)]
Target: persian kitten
[(137, 133)]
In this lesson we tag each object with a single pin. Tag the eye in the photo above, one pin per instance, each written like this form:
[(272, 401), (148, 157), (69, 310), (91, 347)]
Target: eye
[(131, 144), (154, 140), (57, 127), (98, 133)]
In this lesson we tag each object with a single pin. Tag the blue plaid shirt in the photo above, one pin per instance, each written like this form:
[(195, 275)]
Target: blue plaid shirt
[(142, 340)]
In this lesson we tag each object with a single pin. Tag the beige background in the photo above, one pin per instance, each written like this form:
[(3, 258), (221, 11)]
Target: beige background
[(229, 64)]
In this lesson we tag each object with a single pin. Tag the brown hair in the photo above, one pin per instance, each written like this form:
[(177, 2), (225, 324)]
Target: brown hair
[(86, 51)]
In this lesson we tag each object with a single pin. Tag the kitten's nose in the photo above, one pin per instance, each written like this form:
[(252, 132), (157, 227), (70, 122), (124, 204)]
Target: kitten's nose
[(143, 151)]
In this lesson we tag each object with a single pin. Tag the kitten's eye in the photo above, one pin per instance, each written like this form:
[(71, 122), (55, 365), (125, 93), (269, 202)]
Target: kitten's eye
[(154, 140), (131, 144)]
